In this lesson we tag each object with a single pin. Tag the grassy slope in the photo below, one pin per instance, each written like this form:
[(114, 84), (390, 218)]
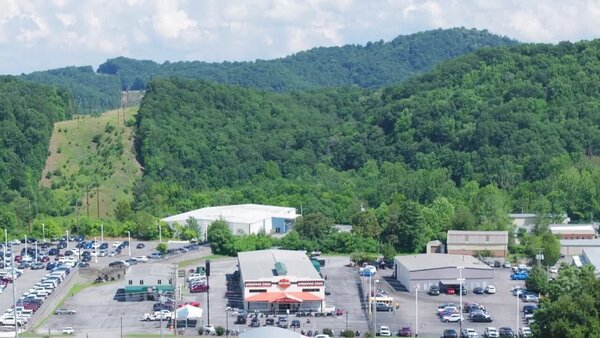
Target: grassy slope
[(81, 162)]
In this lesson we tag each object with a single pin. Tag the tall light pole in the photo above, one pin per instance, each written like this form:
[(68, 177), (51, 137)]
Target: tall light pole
[(417, 310), (159, 232), (67, 242), (101, 233), (6, 245), (129, 239), (96, 250), (43, 232), (518, 314), (26, 245), (375, 312), (460, 287), (14, 287)]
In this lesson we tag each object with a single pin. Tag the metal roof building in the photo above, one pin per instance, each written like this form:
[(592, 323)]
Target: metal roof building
[(241, 218), (472, 242), (592, 256), (574, 247), (567, 231), (280, 280), (146, 281), (425, 270)]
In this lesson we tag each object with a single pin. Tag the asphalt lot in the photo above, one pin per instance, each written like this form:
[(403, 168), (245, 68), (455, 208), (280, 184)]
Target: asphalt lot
[(502, 306), (101, 316)]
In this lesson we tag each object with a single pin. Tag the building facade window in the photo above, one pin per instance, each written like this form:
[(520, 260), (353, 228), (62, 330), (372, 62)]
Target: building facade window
[(159, 282), (310, 290), (130, 282), (257, 290), (141, 282)]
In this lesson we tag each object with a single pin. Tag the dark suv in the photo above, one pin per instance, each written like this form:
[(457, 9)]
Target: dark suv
[(434, 290), (450, 333)]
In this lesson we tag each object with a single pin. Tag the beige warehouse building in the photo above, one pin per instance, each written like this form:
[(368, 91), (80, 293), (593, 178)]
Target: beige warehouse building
[(472, 242)]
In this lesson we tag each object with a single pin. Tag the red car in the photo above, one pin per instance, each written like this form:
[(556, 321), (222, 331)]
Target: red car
[(198, 288), (196, 304), (405, 332), (44, 259), (18, 259)]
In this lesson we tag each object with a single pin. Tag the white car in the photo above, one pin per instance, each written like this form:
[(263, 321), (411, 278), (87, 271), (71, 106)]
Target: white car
[(68, 330), (384, 331), (469, 333), (553, 269), (455, 317), (142, 259), (525, 332), (531, 299), (490, 289), (491, 332), (116, 244)]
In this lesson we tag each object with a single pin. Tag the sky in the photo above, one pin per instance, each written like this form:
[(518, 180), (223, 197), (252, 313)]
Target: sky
[(47, 34)]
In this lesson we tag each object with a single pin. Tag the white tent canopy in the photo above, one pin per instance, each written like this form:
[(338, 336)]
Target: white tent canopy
[(188, 312)]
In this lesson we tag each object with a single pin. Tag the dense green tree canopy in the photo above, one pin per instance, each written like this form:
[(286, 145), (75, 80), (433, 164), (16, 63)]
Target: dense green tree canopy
[(27, 114), (373, 65)]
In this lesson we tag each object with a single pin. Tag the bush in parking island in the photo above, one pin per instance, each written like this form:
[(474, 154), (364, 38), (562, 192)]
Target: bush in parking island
[(328, 331), (220, 330), (348, 334)]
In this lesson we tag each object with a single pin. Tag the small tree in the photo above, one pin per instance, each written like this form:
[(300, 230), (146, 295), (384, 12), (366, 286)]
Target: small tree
[(327, 331), (162, 248)]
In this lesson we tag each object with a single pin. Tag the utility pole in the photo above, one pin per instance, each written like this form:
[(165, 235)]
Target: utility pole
[(87, 202), (175, 276), (98, 201)]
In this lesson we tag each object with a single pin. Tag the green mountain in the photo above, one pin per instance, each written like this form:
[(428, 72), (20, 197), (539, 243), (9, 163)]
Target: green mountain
[(373, 65), (27, 114), (494, 131), (93, 93)]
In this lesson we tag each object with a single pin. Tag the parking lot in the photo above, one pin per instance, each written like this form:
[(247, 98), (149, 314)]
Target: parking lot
[(99, 314), (502, 306)]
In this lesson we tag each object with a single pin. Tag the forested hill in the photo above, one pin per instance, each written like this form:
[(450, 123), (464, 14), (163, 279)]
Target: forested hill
[(491, 132), (375, 64), (93, 93), (27, 114)]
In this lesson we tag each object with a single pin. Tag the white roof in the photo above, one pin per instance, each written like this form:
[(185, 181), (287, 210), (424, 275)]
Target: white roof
[(592, 256), (580, 242), (572, 229), (241, 213), (439, 261), (270, 332), (257, 265)]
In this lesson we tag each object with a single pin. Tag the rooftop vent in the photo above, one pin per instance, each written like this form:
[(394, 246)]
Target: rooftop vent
[(281, 269)]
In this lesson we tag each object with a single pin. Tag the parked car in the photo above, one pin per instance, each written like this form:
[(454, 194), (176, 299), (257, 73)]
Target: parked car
[(434, 290), (68, 330), (65, 312), (525, 332), (519, 276), (481, 318), (405, 331), (553, 269), (384, 331), (469, 333), (140, 246), (490, 289), (37, 266), (529, 298), (295, 323), (491, 332), (449, 333), (383, 307), (478, 291), (506, 332), (506, 265), (198, 288), (454, 317)]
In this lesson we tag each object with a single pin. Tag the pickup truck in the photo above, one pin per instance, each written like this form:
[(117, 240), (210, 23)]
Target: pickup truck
[(157, 315)]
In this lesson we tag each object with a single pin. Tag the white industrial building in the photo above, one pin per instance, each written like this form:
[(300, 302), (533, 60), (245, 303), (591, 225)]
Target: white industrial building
[(575, 247), (280, 281), (241, 218), (424, 270), (591, 256)]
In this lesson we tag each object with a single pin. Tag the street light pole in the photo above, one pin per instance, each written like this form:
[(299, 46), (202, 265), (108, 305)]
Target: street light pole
[(518, 314), (375, 312), (67, 242), (460, 286), (101, 233), (129, 239), (416, 310), (159, 232), (96, 250)]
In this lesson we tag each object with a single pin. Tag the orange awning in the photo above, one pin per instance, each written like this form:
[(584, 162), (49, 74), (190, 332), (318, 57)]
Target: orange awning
[(283, 297)]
